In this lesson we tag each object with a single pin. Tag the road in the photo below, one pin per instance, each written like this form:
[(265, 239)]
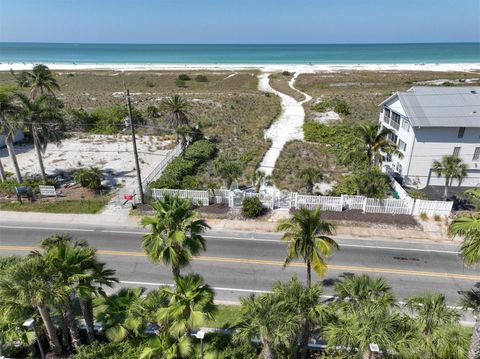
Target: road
[(238, 263)]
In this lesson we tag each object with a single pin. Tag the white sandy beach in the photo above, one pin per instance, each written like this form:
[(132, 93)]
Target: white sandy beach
[(299, 68)]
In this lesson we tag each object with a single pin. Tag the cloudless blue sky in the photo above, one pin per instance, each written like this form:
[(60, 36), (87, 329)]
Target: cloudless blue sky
[(240, 21)]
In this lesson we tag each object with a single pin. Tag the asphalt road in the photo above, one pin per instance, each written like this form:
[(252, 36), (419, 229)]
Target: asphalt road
[(238, 263)]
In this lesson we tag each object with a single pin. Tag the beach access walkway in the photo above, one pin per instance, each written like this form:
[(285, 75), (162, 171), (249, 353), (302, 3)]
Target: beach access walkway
[(289, 125)]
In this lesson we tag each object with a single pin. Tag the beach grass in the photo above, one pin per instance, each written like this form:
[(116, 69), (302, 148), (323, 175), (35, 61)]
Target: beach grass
[(365, 90), (227, 316), (279, 81)]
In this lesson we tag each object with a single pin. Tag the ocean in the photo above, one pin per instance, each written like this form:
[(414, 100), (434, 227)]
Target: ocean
[(432, 53)]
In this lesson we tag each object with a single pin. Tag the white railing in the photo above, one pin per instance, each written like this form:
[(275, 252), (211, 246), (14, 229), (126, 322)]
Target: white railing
[(432, 208), (406, 206), (158, 170), (197, 197), (325, 202)]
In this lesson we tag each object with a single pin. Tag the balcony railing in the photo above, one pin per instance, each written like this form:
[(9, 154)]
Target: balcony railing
[(390, 122)]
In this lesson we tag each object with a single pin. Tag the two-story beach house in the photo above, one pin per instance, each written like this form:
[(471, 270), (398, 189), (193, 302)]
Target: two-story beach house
[(427, 123)]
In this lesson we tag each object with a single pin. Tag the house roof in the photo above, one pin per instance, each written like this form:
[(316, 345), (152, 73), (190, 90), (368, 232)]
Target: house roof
[(440, 106)]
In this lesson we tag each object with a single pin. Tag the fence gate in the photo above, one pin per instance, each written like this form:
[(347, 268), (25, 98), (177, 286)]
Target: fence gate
[(283, 199)]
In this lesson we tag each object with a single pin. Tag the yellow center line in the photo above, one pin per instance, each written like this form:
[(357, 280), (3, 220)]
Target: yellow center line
[(247, 261)]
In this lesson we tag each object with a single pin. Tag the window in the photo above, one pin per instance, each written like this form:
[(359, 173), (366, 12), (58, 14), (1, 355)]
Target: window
[(456, 151), (395, 120), (386, 115), (402, 145), (406, 125), (476, 154), (461, 132), (399, 168), (392, 137)]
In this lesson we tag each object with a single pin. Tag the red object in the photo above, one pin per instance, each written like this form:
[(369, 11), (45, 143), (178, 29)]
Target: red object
[(127, 197)]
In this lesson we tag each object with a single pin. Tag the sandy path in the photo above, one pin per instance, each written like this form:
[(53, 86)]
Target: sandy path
[(288, 127)]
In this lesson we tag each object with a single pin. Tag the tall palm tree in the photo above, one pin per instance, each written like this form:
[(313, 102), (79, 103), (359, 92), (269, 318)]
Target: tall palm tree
[(268, 319), (40, 81), (177, 111), (190, 303), (310, 175), (43, 117), (176, 233), (307, 237), (120, 313), (451, 167), (471, 300), (8, 125), (33, 283), (469, 228), (376, 143)]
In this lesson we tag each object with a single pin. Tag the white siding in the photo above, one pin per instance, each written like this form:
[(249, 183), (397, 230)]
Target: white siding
[(434, 142), (18, 137)]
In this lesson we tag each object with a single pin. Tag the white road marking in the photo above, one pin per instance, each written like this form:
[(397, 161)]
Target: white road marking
[(216, 288), (398, 248), (122, 232), (50, 228)]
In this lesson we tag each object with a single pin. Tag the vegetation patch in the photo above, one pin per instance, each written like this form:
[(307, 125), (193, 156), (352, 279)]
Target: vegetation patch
[(252, 207), (336, 104), (86, 206), (280, 82)]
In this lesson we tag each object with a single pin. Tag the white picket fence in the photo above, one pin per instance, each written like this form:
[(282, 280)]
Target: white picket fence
[(289, 200), (201, 198)]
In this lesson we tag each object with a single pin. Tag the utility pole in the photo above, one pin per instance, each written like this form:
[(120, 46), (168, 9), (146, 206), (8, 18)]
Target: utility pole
[(135, 152)]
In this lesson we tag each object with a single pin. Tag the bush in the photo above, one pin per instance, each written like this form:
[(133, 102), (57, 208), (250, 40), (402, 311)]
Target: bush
[(126, 349), (286, 73), (200, 151), (335, 104), (90, 178), (180, 83), (8, 187), (201, 78), (184, 77), (417, 195), (252, 207), (368, 182), (424, 216), (180, 167), (149, 84)]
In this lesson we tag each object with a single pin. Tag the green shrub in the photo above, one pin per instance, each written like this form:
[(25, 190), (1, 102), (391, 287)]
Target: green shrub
[(180, 167), (152, 111), (201, 78), (8, 187), (335, 104), (90, 178), (184, 77), (180, 83), (341, 106), (252, 207), (472, 196), (286, 73), (191, 182), (367, 182), (424, 216), (149, 84), (320, 106), (200, 151), (126, 349), (437, 218)]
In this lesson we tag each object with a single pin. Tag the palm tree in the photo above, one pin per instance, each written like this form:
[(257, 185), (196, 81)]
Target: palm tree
[(469, 228), (33, 283), (190, 303), (40, 81), (8, 125), (44, 119), (177, 111), (176, 233), (259, 179), (471, 300), (307, 237), (310, 175), (376, 142), (166, 346), (451, 167), (120, 313), (432, 312), (268, 319), (304, 303), (228, 168), (364, 309)]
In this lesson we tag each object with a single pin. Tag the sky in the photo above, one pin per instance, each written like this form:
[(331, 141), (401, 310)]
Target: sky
[(239, 21)]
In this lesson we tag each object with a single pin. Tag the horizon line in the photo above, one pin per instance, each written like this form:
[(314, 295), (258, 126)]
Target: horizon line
[(241, 44)]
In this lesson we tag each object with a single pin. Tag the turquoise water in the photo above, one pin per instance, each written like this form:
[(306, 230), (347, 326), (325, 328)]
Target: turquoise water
[(240, 54)]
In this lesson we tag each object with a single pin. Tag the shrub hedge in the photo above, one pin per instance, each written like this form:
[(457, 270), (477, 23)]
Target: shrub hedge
[(252, 207)]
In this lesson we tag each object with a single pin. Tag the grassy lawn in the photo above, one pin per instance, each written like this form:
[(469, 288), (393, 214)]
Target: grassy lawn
[(226, 317), (280, 81), (365, 90), (87, 206), (297, 155)]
